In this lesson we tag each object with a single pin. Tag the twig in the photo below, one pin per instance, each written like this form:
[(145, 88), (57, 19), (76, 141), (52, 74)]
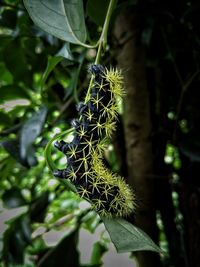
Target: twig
[(179, 106), (184, 85), (102, 42)]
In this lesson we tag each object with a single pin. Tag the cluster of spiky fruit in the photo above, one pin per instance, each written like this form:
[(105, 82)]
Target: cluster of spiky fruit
[(108, 193)]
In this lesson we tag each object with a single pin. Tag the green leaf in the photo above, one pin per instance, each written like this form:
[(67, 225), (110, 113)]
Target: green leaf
[(11, 214), (53, 61), (61, 18), (6, 217), (11, 92), (97, 252), (6, 166), (39, 206), (13, 198), (65, 52), (16, 62), (51, 64), (16, 238), (12, 147), (97, 10), (64, 254), (5, 75), (127, 237), (30, 130), (5, 40), (4, 119), (74, 76)]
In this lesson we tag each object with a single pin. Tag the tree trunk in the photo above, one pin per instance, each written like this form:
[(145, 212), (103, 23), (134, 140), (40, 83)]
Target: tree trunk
[(137, 126)]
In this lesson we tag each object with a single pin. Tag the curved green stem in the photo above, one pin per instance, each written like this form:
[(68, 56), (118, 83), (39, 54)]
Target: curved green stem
[(47, 151), (99, 50), (89, 46), (102, 42), (49, 161)]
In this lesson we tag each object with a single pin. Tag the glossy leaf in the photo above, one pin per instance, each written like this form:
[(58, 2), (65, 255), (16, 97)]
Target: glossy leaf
[(11, 92), (61, 18), (16, 238), (64, 254), (30, 130), (13, 198), (8, 215), (38, 207), (127, 237), (12, 147), (53, 61)]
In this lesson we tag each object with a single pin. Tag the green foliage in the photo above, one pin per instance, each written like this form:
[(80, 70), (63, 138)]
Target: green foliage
[(31, 109), (53, 61), (65, 253), (127, 237), (63, 19), (97, 253), (41, 79), (49, 160), (11, 92), (31, 130)]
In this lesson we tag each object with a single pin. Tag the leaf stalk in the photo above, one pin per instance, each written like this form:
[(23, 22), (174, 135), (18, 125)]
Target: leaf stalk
[(102, 42)]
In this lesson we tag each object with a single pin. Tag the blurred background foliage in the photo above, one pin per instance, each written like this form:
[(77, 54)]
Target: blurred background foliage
[(39, 87), (41, 81)]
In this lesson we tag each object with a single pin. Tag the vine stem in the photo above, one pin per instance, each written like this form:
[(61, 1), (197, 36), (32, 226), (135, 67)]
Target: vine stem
[(47, 151), (49, 161), (101, 45), (102, 42)]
